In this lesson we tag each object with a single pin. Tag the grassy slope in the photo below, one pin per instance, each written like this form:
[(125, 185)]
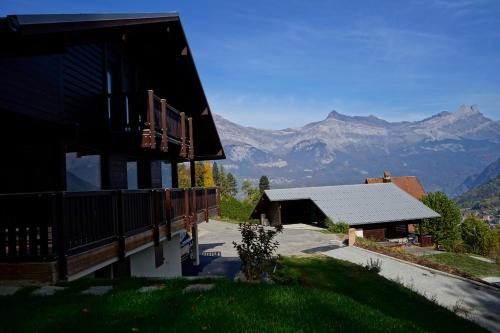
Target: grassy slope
[(467, 264), (319, 295)]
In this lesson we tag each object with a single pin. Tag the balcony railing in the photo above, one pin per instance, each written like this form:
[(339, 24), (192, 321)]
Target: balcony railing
[(56, 225), (147, 114)]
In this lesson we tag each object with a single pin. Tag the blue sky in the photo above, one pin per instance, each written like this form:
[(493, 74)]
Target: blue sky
[(280, 64)]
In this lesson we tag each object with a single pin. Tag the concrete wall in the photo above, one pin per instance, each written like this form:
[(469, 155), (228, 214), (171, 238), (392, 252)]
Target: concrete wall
[(143, 262)]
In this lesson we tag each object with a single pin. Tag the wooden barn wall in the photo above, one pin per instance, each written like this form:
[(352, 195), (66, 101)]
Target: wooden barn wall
[(83, 80), (31, 86), (273, 213)]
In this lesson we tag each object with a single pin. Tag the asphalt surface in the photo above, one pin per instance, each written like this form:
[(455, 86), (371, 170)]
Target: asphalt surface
[(476, 301)]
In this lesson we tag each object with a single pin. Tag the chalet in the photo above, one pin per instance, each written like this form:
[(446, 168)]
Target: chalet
[(376, 211), (122, 88)]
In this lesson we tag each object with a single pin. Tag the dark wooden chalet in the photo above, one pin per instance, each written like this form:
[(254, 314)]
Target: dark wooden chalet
[(123, 87)]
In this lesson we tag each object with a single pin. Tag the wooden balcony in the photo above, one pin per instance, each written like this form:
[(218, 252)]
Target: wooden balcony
[(61, 235), (152, 117)]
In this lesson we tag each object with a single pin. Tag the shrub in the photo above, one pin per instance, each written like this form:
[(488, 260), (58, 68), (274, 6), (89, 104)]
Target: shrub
[(233, 209), (445, 230), (257, 249), (477, 236), (339, 227)]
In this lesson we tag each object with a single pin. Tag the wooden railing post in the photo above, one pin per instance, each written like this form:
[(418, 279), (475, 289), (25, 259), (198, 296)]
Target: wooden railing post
[(183, 135), (61, 236), (157, 214), (157, 202), (164, 139), (168, 213), (120, 225), (191, 140)]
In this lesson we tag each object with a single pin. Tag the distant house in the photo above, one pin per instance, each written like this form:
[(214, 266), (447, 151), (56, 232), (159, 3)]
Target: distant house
[(409, 184), (377, 211)]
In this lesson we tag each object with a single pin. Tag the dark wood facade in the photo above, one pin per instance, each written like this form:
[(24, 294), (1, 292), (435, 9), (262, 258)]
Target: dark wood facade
[(122, 87)]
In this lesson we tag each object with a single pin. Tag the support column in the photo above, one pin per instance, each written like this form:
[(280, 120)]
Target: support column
[(148, 173), (174, 174), (113, 171), (196, 246), (192, 169), (420, 229)]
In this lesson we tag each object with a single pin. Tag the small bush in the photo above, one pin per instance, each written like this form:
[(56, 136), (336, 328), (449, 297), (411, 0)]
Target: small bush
[(374, 266), (454, 245), (339, 227), (257, 249)]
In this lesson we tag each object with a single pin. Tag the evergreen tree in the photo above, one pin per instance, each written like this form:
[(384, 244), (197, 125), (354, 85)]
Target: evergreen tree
[(215, 173), (231, 185), (263, 184), (222, 176), (445, 230), (208, 180)]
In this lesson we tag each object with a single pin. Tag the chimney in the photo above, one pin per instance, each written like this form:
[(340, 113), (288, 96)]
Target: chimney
[(387, 177)]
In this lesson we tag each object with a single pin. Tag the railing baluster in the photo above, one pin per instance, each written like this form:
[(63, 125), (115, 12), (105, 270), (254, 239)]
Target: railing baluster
[(164, 141), (183, 135)]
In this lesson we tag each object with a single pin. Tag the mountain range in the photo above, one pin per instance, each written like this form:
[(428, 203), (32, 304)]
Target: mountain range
[(446, 151)]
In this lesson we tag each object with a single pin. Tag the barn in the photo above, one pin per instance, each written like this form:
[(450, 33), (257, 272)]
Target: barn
[(377, 211)]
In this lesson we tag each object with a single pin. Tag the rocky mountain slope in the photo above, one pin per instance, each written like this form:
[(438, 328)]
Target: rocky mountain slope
[(442, 150), (489, 172)]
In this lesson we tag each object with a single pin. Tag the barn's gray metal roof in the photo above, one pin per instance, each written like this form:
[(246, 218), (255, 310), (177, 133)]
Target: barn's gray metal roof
[(359, 204)]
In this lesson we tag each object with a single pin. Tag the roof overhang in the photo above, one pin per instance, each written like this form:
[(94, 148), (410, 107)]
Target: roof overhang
[(53, 23)]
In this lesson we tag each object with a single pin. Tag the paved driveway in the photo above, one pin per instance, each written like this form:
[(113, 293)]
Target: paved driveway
[(483, 303), (220, 258)]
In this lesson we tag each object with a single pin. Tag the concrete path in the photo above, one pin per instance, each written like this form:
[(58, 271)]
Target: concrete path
[(220, 258), (480, 303)]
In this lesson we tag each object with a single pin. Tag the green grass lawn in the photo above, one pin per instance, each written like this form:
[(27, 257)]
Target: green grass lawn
[(315, 294), (467, 264)]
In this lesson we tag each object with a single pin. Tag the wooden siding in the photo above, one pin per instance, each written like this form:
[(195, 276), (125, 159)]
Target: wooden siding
[(31, 86), (376, 234), (83, 81), (79, 262), (45, 272)]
